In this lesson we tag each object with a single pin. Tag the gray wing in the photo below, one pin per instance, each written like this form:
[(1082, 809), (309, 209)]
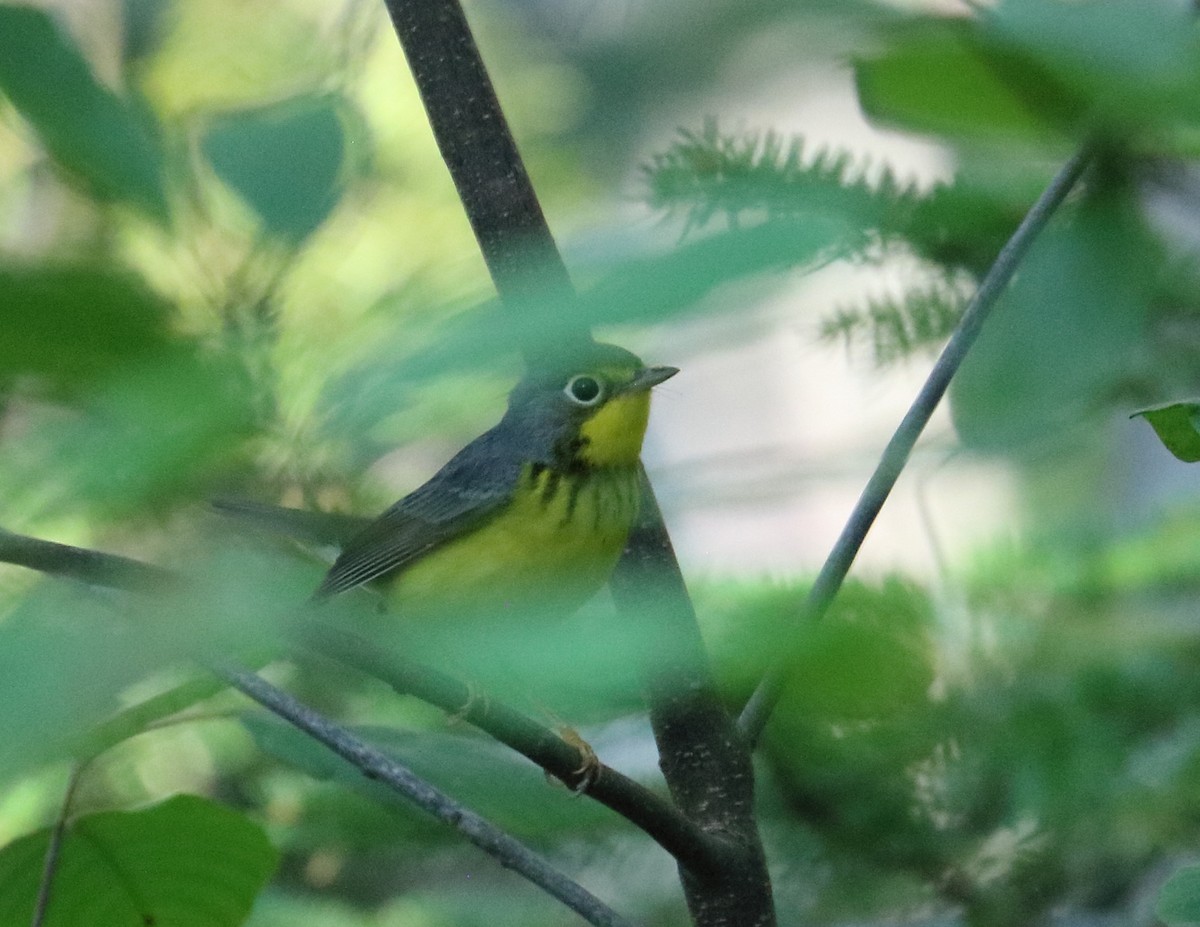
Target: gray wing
[(471, 488)]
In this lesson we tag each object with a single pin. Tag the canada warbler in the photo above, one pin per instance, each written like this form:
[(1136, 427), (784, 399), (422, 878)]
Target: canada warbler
[(532, 513)]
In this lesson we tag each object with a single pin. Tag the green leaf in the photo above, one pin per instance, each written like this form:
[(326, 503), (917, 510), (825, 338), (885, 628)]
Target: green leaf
[(1128, 61), (85, 127), (285, 160), (69, 325), (186, 862), (1179, 901), (937, 78), (155, 431), (1068, 326), (1178, 427)]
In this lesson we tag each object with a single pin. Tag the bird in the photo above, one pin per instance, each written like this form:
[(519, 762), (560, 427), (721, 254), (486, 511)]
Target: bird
[(533, 513)]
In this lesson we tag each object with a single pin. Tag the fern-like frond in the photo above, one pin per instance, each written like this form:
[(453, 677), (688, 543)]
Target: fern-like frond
[(712, 173), (895, 328)]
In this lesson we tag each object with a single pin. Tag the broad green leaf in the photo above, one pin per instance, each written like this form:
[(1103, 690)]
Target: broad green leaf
[(1179, 901), (186, 862), (285, 160), (147, 435), (69, 325), (643, 289), (937, 78), (1176, 426), (64, 657), (84, 126), (1131, 61), (1071, 321)]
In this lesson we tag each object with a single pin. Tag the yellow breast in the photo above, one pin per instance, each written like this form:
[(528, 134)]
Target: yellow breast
[(552, 547)]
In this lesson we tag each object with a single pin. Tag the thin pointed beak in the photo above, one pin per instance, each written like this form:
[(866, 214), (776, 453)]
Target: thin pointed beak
[(649, 377)]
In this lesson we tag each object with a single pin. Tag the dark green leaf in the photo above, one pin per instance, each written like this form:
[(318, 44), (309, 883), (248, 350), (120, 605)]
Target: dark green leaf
[(144, 437), (1128, 61), (937, 78), (85, 127), (1176, 427), (285, 160), (184, 863), (1179, 901), (1071, 322), (70, 325)]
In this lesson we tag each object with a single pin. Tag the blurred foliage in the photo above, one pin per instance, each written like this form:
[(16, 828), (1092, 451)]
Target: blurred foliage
[(186, 862), (231, 261)]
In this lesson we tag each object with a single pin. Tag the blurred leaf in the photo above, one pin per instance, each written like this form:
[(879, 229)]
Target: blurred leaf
[(749, 176), (870, 658), (157, 431), (643, 289), (85, 127), (1178, 427), (285, 160), (1179, 901), (1070, 324), (186, 862), (1025, 67), (936, 77), (71, 325), (64, 657), (1133, 61)]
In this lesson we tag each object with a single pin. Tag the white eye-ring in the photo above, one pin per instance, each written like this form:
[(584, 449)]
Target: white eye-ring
[(584, 390)]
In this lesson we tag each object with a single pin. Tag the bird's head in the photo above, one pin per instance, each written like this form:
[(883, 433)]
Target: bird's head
[(592, 405)]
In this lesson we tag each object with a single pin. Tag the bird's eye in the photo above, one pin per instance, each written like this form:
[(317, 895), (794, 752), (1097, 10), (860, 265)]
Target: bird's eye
[(584, 390)]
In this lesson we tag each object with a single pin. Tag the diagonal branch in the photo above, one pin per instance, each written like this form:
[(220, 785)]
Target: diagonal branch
[(54, 848), (376, 765), (89, 566), (503, 209), (758, 710), (701, 853), (481, 155)]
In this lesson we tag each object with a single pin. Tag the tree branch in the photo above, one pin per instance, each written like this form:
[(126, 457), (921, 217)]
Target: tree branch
[(481, 155), (703, 757), (54, 848), (89, 566), (688, 718), (701, 853), (829, 581), (376, 765)]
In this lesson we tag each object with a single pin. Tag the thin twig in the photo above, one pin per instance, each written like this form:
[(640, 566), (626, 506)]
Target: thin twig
[(758, 710), (54, 848), (146, 715), (376, 765), (701, 853), (90, 566)]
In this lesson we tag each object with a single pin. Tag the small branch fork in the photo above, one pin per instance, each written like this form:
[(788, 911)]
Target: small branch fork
[(379, 766), (701, 853), (688, 718), (697, 851)]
